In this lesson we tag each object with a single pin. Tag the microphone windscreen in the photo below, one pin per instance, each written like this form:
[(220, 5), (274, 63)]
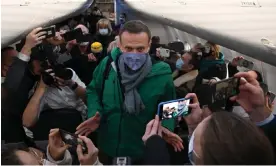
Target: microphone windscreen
[(96, 47)]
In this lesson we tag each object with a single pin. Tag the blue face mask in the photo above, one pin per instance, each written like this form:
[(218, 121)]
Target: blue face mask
[(179, 64), (134, 60), (103, 31)]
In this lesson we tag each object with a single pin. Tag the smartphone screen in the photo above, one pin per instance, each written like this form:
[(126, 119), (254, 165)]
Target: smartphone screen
[(225, 89), (174, 109), (245, 63), (50, 31), (164, 52), (72, 139)]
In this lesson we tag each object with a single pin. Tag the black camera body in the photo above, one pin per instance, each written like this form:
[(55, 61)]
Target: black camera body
[(45, 54)]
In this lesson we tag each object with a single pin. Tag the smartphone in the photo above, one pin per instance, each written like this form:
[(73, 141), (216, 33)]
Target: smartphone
[(174, 108), (271, 97), (245, 63), (165, 53), (72, 35), (50, 31), (225, 89), (73, 140)]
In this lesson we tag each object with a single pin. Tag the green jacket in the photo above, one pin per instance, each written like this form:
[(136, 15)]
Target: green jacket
[(120, 134)]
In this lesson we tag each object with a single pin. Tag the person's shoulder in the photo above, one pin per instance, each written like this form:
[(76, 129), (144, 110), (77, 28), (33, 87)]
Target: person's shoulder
[(160, 68)]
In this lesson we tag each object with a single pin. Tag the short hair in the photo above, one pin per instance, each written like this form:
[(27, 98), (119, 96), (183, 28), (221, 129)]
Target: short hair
[(155, 39), (105, 22), (6, 49), (135, 27), (3, 50), (9, 157), (232, 140)]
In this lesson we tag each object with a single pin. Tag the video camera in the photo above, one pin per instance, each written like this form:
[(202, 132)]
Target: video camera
[(45, 54)]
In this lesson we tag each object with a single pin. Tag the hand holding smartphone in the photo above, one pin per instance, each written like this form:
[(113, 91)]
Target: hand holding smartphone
[(245, 63), (50, 31), (174, 108), (225, 89), (73, 140), (165, 53)]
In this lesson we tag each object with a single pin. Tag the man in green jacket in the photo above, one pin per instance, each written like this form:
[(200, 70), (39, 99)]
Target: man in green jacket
[(121, 111)]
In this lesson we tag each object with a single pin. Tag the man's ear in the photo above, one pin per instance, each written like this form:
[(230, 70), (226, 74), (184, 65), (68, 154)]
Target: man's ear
[(149, 46), (119, 44)]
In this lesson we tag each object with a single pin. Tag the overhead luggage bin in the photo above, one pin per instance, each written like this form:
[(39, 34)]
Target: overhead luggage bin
[(246, 26), (19, 17)]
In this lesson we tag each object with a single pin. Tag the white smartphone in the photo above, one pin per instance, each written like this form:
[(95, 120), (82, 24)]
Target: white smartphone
[(165, 53)]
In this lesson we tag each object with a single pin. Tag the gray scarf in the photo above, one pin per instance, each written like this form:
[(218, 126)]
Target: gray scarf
[(133, 103)]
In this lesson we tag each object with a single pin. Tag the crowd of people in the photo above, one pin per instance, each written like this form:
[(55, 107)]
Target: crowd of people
[(105, 90)]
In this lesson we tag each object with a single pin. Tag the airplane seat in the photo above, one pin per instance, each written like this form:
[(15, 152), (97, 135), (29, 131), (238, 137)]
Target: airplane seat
[(66, 119)]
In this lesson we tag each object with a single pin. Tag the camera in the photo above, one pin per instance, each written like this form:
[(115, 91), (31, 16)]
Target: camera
[(45, 54)]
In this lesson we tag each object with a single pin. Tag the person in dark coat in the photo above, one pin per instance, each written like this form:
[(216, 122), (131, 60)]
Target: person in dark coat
[(104, 34), (17, 86)]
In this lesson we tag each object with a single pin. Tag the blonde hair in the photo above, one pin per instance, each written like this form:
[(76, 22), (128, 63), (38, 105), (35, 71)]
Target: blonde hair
[(215, 49), (105, 22)]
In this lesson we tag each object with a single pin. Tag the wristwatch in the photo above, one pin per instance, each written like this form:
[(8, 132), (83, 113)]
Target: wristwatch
[(74, 86)]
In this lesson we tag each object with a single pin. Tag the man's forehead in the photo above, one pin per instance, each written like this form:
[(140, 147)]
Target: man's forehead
[(133, 39)]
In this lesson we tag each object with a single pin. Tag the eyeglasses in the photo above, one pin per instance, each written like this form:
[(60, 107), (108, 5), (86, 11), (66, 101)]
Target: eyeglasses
[(40, 157)]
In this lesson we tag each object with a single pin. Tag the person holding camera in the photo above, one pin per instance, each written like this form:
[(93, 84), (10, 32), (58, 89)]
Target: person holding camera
[(16, 88), (70, 94), (56, 153)]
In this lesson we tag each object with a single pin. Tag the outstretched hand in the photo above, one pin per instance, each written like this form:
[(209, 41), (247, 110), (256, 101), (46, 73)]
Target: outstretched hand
[(89, 125), (173, 139)]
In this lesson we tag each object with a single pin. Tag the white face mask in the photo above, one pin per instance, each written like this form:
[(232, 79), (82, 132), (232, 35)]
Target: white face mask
[(207, 49), (103, 31)]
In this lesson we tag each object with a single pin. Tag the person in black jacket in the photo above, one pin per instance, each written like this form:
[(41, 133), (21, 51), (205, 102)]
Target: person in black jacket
[(83, 62), (104, 34), (156, 152), (8, 55), (16, 89)]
